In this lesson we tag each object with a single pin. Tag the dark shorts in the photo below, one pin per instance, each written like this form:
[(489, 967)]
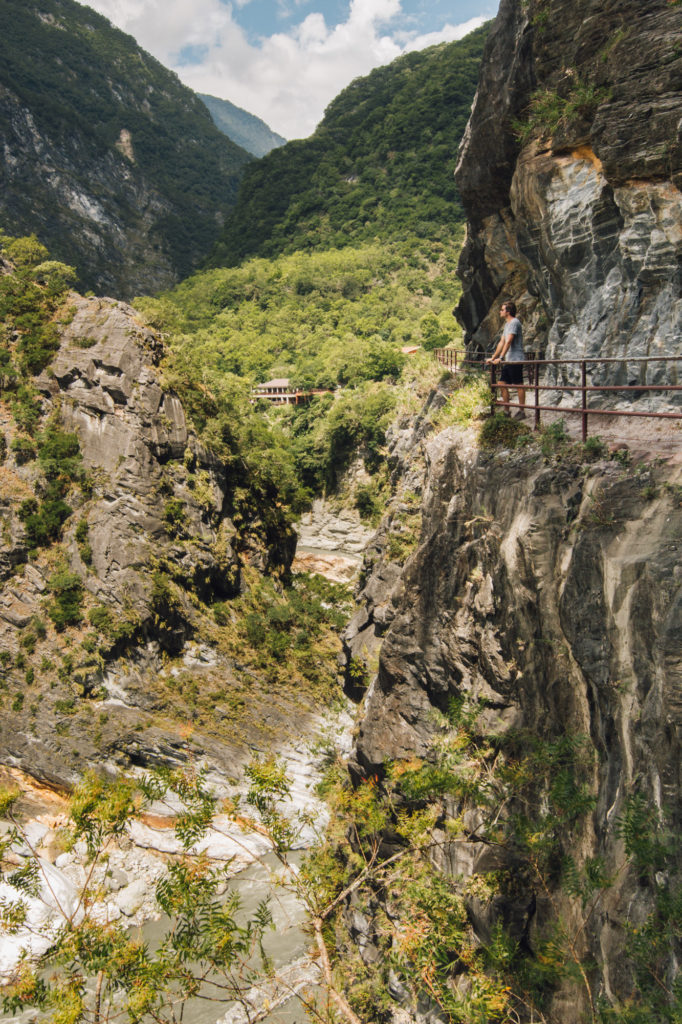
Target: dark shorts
[(512, 373)]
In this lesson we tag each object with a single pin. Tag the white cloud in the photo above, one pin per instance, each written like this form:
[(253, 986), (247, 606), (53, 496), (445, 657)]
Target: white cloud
[(289, 77), (448, 34)]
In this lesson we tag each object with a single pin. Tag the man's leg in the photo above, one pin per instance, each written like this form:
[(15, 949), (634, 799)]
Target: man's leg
[(520, 414), (505, 399)]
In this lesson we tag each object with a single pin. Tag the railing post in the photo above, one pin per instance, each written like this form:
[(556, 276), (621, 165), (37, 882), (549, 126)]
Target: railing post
[(536, 376), (493, 400), (583, 371)]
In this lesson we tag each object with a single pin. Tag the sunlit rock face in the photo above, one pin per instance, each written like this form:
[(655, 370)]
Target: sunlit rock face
[(157, 507), (580, 222), (550, 592)]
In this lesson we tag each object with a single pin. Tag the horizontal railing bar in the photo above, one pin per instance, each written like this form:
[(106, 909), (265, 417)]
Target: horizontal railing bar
[(593, 412), (578, 362), (592, 387)]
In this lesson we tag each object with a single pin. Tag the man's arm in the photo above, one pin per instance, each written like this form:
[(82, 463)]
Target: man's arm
[(502, 348)]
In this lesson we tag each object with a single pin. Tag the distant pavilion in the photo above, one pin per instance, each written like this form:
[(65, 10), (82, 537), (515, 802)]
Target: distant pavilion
[(279, 392)]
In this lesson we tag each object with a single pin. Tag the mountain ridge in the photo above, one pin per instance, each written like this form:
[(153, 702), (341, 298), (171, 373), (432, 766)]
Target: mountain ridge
[(109, 159), (245, 129), (380, 163)]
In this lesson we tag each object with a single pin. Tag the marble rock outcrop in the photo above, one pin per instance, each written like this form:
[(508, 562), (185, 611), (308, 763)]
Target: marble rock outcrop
[(570, 173), (151, 531), (552, 593)]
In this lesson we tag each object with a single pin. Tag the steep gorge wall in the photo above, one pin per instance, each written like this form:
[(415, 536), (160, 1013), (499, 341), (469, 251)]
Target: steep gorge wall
[(580, 224), (153, 532), (552, 592)]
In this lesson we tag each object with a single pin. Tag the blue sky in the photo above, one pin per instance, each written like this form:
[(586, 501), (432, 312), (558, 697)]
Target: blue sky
[(264, 17), (285, 60)]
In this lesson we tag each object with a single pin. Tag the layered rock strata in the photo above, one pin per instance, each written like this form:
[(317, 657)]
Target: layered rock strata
[(151, 532), (552, 592), (570, 173)]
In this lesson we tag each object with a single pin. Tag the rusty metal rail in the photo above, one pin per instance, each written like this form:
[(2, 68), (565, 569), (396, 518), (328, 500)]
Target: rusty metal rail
[(454, 362)]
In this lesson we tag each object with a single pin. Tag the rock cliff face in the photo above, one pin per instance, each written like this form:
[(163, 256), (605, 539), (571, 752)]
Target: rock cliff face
[(570, 173), (551, 592), (149, 536)]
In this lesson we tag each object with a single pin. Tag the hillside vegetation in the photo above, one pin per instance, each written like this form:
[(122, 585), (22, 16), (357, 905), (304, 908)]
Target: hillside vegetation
[(380, 164), (330, 320), (109, 159), (358, 231)]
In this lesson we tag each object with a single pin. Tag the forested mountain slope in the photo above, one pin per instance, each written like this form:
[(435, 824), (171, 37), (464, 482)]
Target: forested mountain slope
[(356, 231), (379, 164), (115, 165), (247, 130)]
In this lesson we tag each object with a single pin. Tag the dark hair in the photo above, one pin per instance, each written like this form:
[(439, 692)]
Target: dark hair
[(510, 307)]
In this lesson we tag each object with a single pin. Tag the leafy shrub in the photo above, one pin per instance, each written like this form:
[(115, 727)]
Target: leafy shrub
[(28, 642), (26, 408), (367, 501), (174, 517), (44, 524), (548, 112), (553, 438), (38, 627), (221, 613), (84, 546), (501, 431), (163, 599), (36, 347), (101, 618), (112, 628), (59, 454), (594, 448), (26, 253), (23, 448), (55, 276), (66, 607)]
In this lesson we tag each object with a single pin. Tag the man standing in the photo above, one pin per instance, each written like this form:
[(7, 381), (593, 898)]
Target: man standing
[(509, 352)]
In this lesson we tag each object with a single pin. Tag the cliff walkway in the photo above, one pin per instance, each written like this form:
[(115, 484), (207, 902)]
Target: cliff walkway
[(642, 409)]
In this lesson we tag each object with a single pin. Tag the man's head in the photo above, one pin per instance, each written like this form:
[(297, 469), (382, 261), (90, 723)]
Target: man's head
[(508, 308)]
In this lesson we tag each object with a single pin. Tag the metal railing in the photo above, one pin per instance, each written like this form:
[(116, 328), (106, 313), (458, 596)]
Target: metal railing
[(533, 370)]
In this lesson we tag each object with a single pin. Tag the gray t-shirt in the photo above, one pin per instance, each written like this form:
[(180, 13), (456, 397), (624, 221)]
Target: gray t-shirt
[(515, 350)]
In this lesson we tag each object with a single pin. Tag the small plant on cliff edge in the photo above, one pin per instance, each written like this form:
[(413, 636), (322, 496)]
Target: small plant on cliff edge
[(549, 112), (554, 438), (468, 402), (501, 431)]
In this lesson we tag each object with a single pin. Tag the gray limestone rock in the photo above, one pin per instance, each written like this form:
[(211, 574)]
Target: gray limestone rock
[(553, 594), (159, 535), (580, 226), (130, 898)]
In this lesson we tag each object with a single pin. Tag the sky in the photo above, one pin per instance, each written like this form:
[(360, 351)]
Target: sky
[(285, 60)]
